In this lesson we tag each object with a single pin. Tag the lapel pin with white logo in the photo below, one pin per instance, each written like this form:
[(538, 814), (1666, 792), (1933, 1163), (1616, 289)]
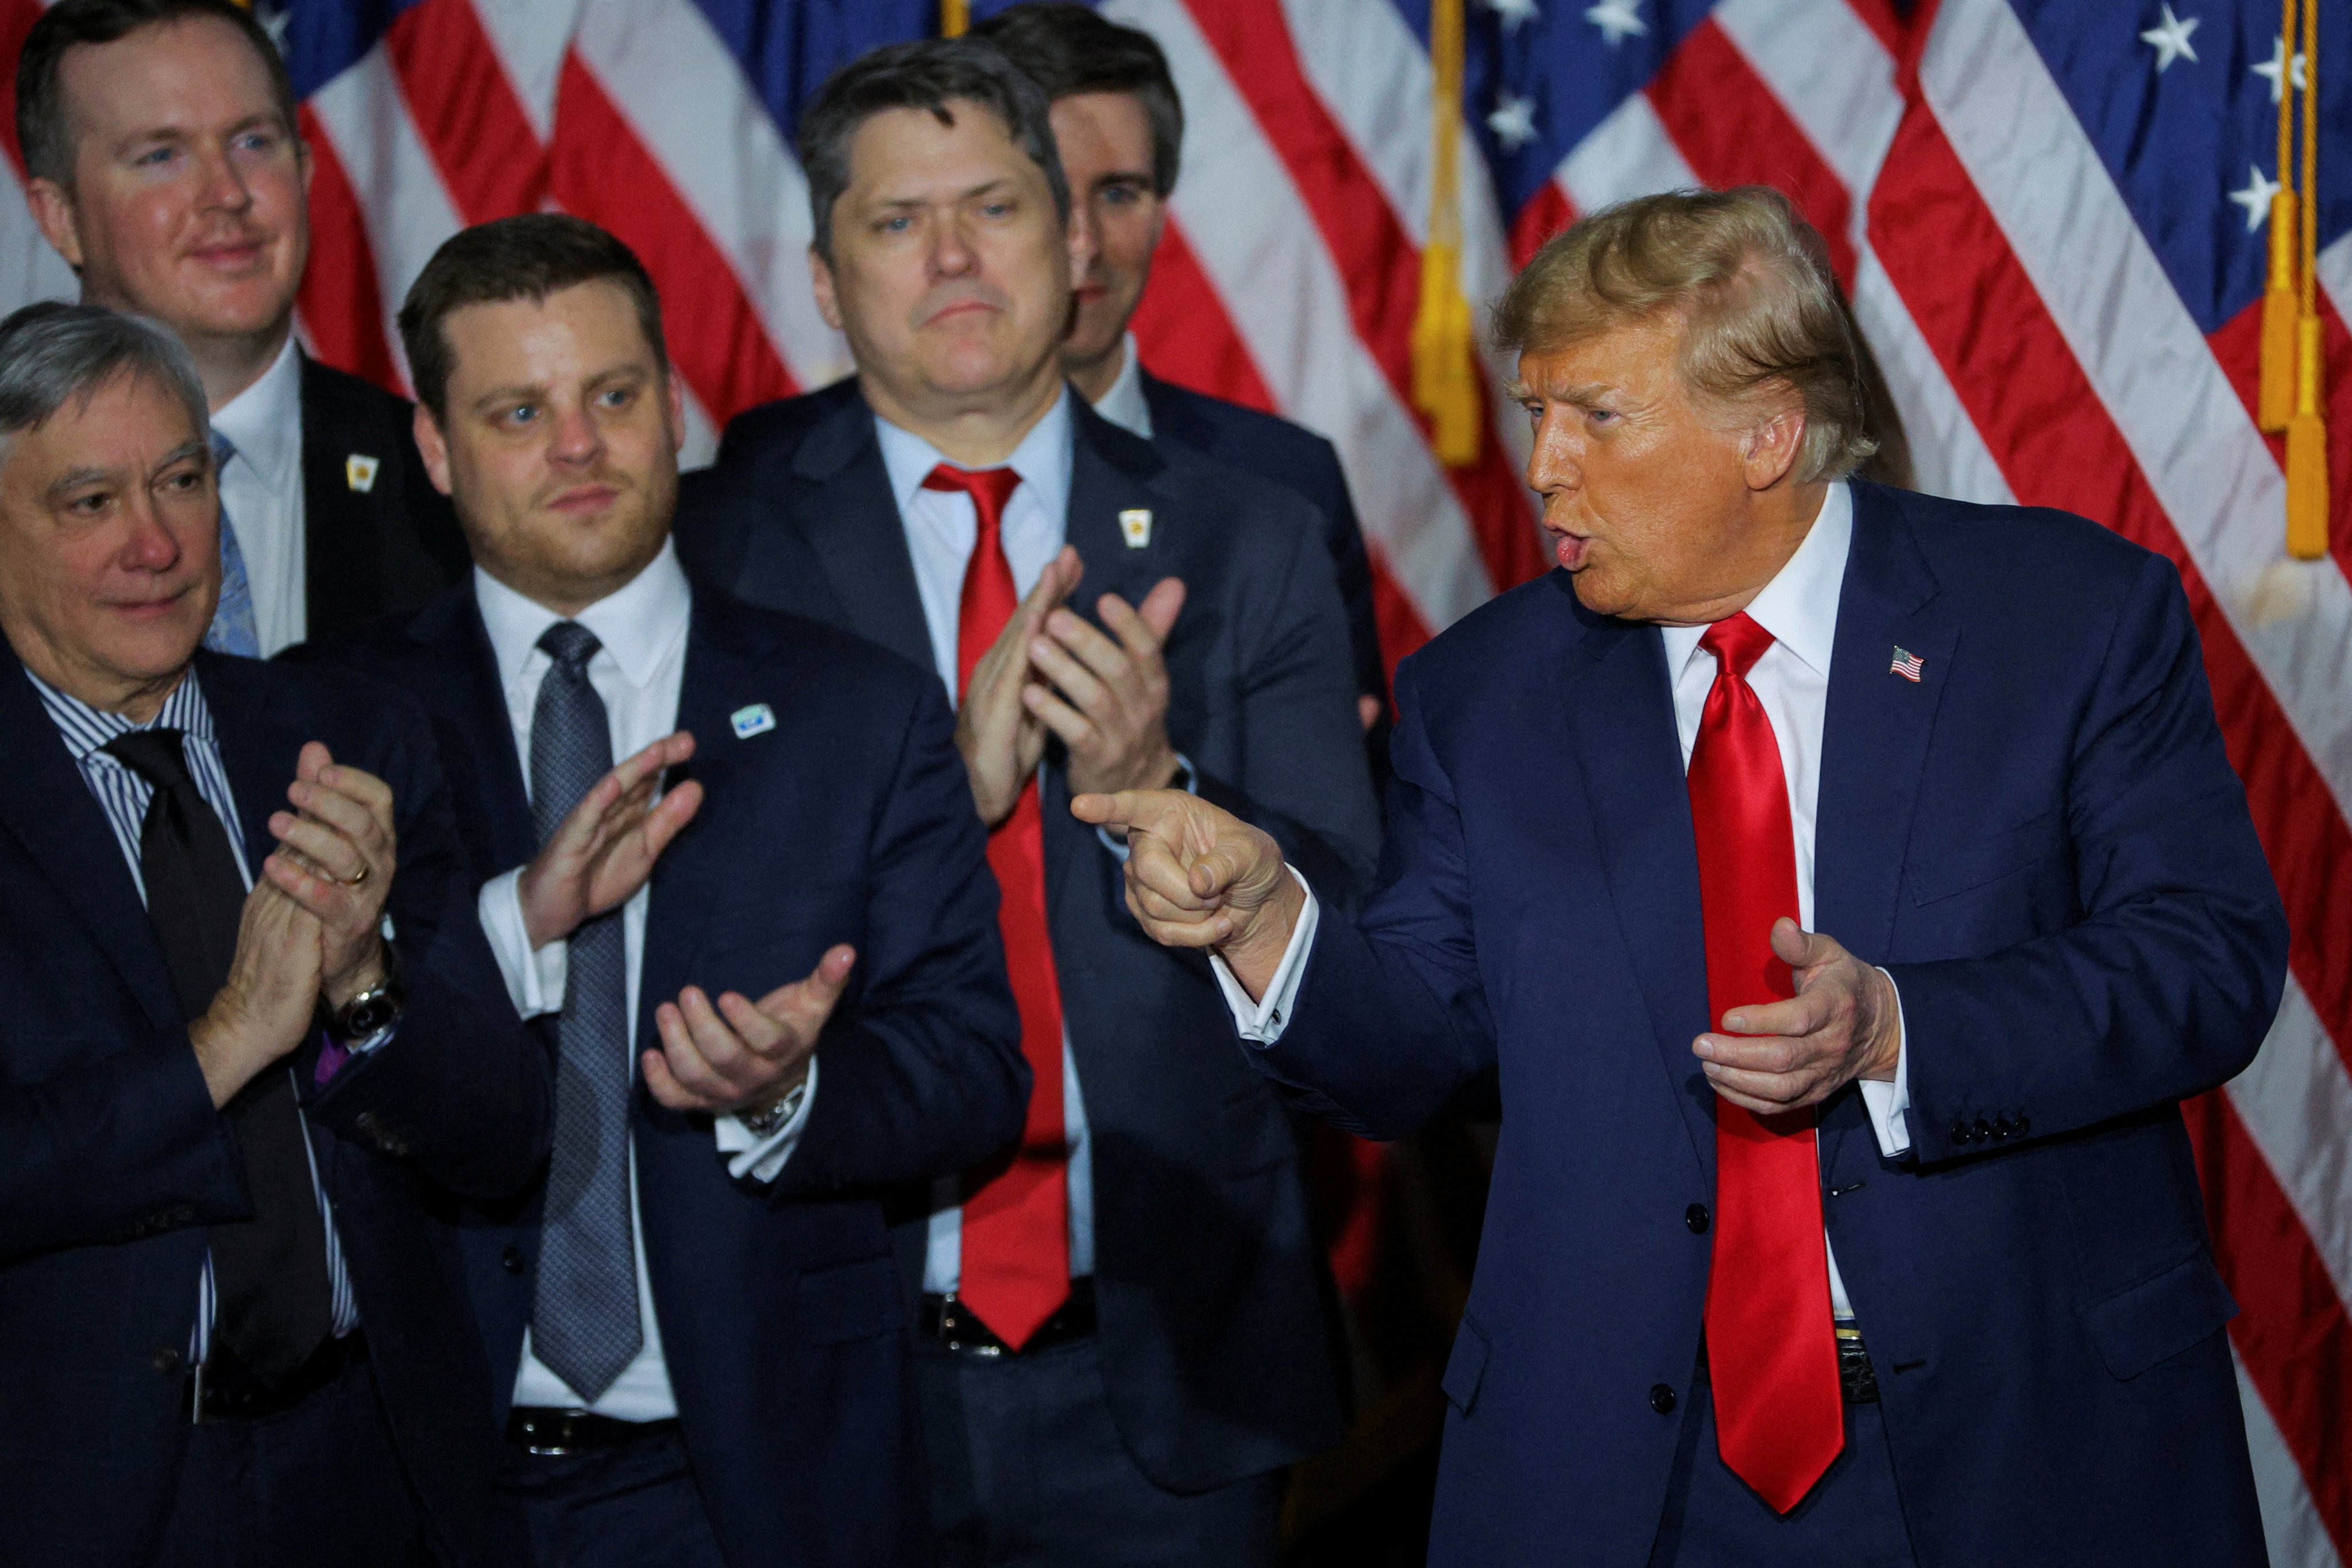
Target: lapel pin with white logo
[(1135, 524), (1907, 664), (756, 719), (359, 471)]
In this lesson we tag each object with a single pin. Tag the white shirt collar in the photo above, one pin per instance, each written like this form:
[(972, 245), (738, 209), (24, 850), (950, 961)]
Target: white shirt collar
[(1799, 606), (1124, 404), (1043, 458), (264, 421), (637, 622)]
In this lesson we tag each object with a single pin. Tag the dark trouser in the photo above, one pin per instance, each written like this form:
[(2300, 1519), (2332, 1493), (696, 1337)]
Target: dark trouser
[(633, 1506), (318, 1484), (1028, 1471), (1852, 1517)]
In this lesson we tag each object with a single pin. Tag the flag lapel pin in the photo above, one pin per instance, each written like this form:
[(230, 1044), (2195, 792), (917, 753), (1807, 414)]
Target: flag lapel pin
[(1907, 664), (756, 719), (1136, 524), (359, 471)]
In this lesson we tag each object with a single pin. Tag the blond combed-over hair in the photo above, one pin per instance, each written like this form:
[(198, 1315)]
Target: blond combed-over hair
[(1751, 281)]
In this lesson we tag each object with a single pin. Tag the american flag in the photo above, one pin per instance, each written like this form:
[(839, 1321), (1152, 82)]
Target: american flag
[(1907, 664), (2050, 215)]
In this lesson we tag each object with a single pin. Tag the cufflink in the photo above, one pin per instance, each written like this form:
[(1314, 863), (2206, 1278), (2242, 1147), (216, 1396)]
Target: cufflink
[(1136, 524), (359, 471)]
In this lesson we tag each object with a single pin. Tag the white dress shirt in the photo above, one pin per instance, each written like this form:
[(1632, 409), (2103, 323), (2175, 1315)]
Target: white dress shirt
[(637, 672), (1799, 606), (1124, 403), (261, 490), (942, 528)]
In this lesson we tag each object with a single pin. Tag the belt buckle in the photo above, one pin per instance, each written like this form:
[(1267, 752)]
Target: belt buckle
[(562, 1446), (960, 1330)]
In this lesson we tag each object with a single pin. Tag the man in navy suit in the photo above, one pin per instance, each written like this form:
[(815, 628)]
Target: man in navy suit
[(696, 1323), (1848, 884), (229, 1330), (1125, 1341)]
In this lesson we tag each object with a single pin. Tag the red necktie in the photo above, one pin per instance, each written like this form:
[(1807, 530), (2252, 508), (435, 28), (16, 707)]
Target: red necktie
[(1778, 1414), (1016, 1221)]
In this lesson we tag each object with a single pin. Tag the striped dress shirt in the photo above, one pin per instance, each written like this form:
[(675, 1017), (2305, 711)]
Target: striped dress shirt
[(123, 793)]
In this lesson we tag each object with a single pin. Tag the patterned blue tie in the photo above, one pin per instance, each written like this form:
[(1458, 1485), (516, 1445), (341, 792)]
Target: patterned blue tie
[(232, 630), (584, 1324)]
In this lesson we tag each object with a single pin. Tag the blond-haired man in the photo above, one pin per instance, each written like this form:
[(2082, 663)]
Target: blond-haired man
[(1848, 884)]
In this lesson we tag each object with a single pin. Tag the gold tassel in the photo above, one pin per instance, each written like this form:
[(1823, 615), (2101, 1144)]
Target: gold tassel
[(2307, 454), (2306, 432), (1444, 373), (2276, 404), (955, 17)]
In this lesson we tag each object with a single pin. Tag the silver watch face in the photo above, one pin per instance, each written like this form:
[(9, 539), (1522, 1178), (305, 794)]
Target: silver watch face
[(368, 1014)]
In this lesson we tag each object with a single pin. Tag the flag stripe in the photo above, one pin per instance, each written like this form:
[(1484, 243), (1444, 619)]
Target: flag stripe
[(489, 154)]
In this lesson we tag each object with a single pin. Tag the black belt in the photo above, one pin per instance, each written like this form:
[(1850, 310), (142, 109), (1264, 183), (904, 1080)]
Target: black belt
[(1856, 1381), (223, 1390), (952, 1322), (547, 1430)]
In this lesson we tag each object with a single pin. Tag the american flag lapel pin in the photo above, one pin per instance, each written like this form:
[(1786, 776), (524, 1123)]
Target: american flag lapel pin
[(1907, 664)]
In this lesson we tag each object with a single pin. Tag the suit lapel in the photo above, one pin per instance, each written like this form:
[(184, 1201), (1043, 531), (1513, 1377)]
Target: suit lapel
[(258, 748), (852, 525), (1874, 736), (465, 687), (49, 810), (1875, 748), (343, 550), (1623, 715), (721, 676)]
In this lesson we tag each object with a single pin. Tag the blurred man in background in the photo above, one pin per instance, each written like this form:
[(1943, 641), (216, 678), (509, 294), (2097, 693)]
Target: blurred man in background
[(1124, 1337), (165, 166)]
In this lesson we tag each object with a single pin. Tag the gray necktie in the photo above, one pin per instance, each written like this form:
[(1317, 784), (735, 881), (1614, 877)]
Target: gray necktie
[(232, 630), (584, 1324)]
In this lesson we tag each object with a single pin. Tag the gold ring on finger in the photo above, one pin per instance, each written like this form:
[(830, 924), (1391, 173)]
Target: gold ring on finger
[(356, 879)]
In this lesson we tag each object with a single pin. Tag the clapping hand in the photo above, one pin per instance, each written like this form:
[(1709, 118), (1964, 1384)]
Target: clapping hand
[(605, 848), (336, 856), (1107, 700), (738, 1055), (997, 735)]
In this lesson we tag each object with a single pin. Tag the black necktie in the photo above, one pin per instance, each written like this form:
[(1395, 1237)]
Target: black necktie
[(269, 1273)]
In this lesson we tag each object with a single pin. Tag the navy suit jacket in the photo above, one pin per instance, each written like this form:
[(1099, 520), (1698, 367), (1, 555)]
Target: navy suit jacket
[(114, 1162), (1208, 1279), (2043, 842), (784, 1320), (1300, 461)]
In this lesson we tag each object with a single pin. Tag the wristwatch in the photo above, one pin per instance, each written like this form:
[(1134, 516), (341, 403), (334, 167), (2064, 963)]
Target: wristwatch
[(769, 1122), (372, 1011)]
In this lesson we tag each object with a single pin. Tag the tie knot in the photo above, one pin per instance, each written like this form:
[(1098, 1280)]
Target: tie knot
[(569, 644), (1737, 643), (988, 489), (154, 754)]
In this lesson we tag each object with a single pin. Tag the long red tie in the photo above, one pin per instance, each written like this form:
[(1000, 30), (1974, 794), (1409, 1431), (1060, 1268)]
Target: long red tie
[(1017, 1220), (1779, 1418)]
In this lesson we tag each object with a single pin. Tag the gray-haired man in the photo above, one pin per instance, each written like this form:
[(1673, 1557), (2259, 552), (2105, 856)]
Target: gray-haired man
[(226, 1333)]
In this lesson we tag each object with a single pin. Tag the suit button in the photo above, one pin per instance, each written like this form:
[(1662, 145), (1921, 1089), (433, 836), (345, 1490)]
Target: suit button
[(165, 1360), (1661, 1399), (1984, 1131), (1960, 1133), (2002, 1128), (511, 1260), (2024, 1124), (1695, 1217)]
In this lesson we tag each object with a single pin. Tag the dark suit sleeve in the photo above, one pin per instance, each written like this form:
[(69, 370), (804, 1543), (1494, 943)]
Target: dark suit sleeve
[(1304, 775), (2166, 985), (1343, 534), (123, 1147), (922, 1073), (1391, 1016), (464, 1090)]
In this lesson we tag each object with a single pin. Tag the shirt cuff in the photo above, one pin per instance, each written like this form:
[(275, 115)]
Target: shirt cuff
[(763, 1159), (1187, 775), (1888, 1103), (534, 978), (1262, 1021)]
